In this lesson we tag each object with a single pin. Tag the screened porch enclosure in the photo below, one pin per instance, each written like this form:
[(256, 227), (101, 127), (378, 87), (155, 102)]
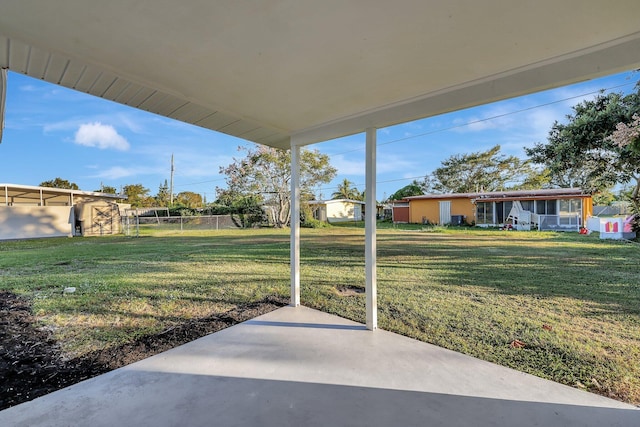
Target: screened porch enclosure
[(546, 215)]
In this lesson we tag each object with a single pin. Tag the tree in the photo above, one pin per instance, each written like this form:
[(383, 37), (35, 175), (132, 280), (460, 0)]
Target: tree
[(413, 189), (603, 198), (60, 183), (627, 137), (481, 171), (107, 189), (580, 154), (189, 199), (163, 198), (627, 134), (346, 191), (245, 209), (596, 148), (138, 195), (533, 178), (266, 174)]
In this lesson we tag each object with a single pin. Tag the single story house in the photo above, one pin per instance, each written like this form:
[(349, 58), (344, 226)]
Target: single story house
[(547, 209), (28, 212), (338, 210)]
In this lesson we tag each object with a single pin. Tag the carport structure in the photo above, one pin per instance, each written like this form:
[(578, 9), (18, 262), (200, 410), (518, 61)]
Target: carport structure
[(288, 73), (28, 212)]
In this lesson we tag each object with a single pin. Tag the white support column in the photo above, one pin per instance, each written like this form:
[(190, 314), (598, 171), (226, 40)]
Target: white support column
[(370, 232), (295, 224)]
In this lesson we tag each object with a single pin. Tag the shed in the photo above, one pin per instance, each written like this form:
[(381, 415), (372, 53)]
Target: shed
[(338, 210), (97, 218), (28, 212)]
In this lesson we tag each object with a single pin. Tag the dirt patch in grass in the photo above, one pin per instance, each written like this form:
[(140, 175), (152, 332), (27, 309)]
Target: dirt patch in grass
[(349, 291), (32, 363)]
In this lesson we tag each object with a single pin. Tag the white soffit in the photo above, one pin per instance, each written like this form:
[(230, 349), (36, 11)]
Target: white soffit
[(310, 70)]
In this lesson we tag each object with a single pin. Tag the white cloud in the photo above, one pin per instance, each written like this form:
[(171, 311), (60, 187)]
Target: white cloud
[(28, 88), (572, 95), (117, 172), (474, 124), (541, 120), (393, 163), (497, 117), (348, 167), (133, 125), (62, 125), (189, 166), (100, 136)]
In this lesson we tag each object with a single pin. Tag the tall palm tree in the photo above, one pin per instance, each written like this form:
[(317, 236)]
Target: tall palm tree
[(346, 191)]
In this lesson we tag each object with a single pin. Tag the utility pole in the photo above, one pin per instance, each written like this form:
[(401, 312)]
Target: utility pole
[(171, 184)]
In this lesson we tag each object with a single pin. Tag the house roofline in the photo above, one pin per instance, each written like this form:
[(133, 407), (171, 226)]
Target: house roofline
[(324, 202), (61, 191), (498, 195)]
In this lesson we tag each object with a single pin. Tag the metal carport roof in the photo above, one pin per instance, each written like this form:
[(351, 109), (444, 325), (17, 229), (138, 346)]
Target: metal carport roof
[(15, 194)]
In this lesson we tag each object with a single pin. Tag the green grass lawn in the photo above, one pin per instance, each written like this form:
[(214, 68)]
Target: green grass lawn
[(469, 290)]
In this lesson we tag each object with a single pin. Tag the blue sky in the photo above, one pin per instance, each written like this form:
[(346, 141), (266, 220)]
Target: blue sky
[(54, 132)]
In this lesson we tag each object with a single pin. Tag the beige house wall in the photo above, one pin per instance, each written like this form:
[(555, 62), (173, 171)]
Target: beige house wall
[(421, 211), (29, 222)]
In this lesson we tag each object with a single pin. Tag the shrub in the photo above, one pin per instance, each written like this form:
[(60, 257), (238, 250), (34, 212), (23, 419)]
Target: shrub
[(314, 223)]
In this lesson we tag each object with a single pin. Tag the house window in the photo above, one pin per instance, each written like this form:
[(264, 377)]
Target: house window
[(502, 211), (547, 207), (570, 206), (570, 211), (527, 205), (484, 213)]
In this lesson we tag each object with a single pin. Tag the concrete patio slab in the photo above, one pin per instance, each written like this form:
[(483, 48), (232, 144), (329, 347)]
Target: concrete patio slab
[(301, 367)]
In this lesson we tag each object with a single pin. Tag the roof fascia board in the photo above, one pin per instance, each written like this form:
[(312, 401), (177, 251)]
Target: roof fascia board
[(552, 192), (59, 191), (549, 197), (616, 56)]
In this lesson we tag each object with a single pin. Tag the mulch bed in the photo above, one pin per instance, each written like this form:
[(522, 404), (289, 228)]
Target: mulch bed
[(32, 363)]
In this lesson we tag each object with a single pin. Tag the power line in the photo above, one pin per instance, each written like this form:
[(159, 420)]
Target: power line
[(377, 182), (486, 119), (200, 182)]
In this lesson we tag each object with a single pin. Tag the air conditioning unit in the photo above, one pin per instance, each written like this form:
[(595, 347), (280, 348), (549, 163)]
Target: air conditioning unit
[(458, 219)]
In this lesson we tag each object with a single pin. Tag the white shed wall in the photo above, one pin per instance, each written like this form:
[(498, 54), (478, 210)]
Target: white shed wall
[(343, 211), (28, 222)]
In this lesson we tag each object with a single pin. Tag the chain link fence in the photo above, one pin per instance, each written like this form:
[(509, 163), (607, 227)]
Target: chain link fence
[(131, 225), (620, 208)]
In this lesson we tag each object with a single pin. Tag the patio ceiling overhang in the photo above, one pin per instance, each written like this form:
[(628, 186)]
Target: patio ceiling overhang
[(276, 69)]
